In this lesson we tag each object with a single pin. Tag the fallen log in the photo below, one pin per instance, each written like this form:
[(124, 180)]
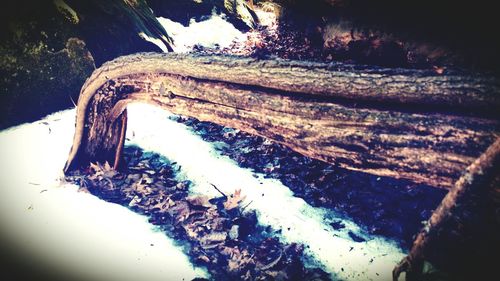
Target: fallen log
[(410, 124)]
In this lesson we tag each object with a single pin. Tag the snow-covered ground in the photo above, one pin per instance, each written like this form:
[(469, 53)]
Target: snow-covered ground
[(334, 250), (51, 222), (210, 33), (274, 202), (47, 222)]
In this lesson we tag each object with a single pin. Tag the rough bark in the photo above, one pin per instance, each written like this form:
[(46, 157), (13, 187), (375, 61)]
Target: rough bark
[(386, 122), (483, 173)]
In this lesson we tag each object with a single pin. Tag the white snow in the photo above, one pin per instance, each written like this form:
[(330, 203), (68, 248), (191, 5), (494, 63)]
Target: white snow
[(49, 223), (336, 252), (215, 31)]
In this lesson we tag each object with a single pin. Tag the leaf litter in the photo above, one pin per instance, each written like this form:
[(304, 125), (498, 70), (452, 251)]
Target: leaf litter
[(218, 233), (383, 206)]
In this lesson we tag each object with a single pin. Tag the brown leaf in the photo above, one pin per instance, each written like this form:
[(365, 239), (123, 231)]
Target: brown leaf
[(234, 200), (107, 167), (201, 201), (438, 69), (181, 211), (203, 258), (102, 172), (192, 233), (238, 260), (164, 205)]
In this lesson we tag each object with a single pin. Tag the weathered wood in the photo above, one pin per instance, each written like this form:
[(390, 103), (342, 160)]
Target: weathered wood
[(479, 175), (386, 123)]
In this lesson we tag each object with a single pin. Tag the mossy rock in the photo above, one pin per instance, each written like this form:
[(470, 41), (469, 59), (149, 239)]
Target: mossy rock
[(42, 62), (40, 81), (48, 48)]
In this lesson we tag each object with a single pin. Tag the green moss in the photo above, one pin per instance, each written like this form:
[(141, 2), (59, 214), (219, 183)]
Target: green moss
[(67, 11), (36, 79)]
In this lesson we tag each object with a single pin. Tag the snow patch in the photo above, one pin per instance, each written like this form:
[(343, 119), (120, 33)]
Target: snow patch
[(210, 33), (335, 250), (47, 222)]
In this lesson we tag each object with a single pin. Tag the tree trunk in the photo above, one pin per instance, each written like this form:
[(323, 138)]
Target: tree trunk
[(408, 124)]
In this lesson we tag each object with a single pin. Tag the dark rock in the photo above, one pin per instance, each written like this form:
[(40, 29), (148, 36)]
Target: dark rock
[(113, 28), (48, 48), (36, 79)]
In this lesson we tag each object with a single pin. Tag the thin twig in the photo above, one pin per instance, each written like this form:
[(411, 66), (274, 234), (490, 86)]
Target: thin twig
[(244, 207), (72, 101), (224, 195), (273, 263)]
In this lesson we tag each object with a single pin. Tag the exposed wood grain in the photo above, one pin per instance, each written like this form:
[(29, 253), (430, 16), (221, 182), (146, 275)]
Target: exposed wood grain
[(391, 123)]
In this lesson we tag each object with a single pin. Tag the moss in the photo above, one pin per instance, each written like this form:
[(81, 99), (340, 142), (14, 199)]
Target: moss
[(42, 63), (36, 78), (67, 11)]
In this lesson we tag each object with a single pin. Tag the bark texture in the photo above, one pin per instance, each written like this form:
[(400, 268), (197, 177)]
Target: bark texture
[(408, 124)]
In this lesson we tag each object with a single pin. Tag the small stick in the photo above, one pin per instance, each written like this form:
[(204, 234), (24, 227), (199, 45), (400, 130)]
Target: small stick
[(244, 207), (224, 195), (477, 175)]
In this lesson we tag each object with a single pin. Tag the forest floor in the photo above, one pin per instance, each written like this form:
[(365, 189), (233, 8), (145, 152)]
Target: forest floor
[(227, 220), (245, 208), (371, 218)]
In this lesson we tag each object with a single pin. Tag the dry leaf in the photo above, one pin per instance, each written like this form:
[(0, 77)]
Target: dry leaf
[(237, 259), (234, 200), (438, 69), (142, 189), (102, 172), (181, 211), (164, 205), (199, 201), (204, 258)]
